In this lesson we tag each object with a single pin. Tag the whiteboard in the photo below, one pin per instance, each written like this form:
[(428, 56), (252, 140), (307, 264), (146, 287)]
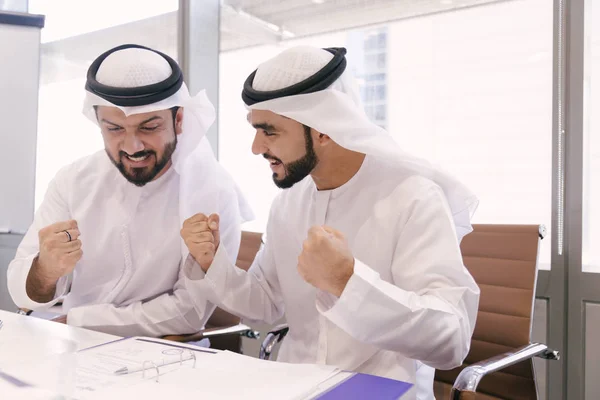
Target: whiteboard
[(19, 85)]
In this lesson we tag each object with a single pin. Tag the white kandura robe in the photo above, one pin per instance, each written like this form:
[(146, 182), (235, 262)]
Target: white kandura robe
[(129, 280), (410, 303)]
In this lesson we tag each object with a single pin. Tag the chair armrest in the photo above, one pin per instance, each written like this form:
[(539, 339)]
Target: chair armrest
[(273, 337), (239, 329), (469, 378)]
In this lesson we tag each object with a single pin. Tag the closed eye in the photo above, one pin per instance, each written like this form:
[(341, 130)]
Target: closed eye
[(267, 133), (110, 126), (149, 128)]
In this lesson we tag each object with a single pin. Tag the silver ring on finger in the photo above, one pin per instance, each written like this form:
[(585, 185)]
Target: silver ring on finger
[(68, 236)]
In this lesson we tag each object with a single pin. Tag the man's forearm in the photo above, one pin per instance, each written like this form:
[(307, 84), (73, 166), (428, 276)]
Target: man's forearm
[(40, 288)]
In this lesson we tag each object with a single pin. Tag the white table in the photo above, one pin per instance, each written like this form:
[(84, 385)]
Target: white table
[(25, 338)]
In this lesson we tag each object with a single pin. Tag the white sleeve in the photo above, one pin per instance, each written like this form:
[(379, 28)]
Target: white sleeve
[(253, 295), (52, 210), (428, 311), (230, 223), (169, 313)]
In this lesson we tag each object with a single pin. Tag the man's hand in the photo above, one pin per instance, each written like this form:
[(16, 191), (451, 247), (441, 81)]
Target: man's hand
[(61, 319), (326, 262), (60, 250), (201, 236)]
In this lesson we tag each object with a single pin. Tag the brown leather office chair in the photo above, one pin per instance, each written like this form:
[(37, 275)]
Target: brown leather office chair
[(503, 262), (224, 329)]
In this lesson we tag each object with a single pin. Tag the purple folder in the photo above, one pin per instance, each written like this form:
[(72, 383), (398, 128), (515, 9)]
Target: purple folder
[(363, 386)]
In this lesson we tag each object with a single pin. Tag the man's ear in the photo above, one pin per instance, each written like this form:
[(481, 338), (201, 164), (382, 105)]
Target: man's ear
[(179, 121), (321, 138)]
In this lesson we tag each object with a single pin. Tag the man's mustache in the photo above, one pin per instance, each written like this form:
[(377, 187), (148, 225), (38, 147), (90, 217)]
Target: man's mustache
[(268, 157), (139, 154)]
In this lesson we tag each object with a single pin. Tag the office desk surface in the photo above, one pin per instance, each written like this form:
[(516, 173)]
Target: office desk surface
[(25, 338)]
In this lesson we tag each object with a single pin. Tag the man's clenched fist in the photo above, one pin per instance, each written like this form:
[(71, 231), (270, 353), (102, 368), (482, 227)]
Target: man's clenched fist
[(201, 236), (60, 250), (326, 261)]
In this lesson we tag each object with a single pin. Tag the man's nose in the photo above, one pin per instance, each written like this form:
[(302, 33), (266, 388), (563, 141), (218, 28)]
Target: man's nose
[(132, 144)]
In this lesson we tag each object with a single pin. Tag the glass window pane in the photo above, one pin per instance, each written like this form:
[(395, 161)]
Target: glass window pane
[(480, 105), (380, 113), (69, 45), (380, 92), (374, 77), (381, 40), (381, 60), (591, 144)]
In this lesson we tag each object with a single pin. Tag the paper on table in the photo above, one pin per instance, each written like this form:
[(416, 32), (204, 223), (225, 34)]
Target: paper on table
[(230, 376), (254, 378)]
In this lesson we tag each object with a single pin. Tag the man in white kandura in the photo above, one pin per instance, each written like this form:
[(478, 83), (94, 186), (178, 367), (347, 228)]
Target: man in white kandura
[(106, 239), (362, 247)]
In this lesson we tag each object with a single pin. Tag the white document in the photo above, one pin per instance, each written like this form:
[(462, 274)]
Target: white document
[(234, 376), (213, 375), (231, 376)]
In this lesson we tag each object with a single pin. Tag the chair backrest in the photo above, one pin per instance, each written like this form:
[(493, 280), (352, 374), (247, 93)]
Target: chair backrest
[(503, 261), (249, 246)]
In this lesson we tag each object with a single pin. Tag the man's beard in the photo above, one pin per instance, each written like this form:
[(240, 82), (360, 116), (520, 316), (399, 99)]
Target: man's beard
[(141, 176), (297, 170)]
